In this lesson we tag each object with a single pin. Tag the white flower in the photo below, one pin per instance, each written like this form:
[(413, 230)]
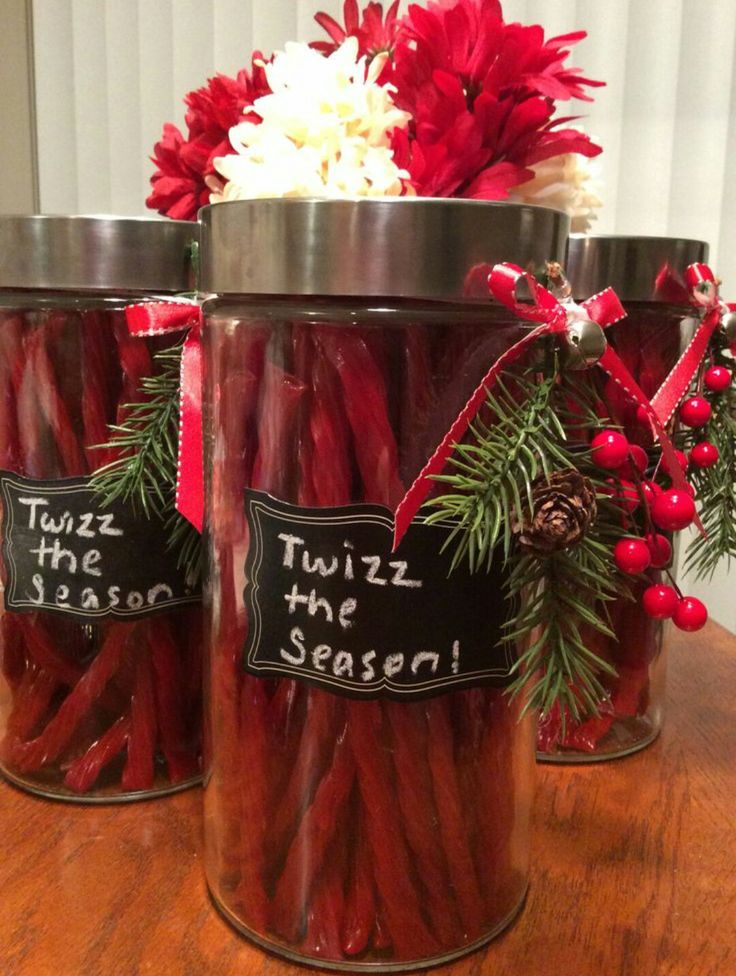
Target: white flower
[(325, 131), (566, 183)]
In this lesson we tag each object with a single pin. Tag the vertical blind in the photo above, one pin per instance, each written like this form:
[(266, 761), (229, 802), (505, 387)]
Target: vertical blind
[(109, 73)]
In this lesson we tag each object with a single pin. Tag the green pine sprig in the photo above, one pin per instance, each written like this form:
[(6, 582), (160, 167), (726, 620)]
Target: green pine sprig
[(560, 594), (522, 434), (561, 600), (146, 443), (494, 469), (144, 471), (715, 489)]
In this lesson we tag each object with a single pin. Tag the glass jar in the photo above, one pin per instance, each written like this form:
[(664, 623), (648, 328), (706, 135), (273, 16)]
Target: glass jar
[(100, 630), (366, 791), (647, 275)]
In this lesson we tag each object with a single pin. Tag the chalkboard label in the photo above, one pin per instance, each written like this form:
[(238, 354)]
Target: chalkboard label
[(329, 603), (66, 554)]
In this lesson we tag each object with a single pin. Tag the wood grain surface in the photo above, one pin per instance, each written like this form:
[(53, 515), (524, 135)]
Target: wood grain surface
[(633, 865)]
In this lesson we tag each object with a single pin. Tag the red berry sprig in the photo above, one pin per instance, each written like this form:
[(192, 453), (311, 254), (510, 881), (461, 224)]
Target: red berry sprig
[(660, 601), (660, 549), (609, 449), (651, 490), (704, 454), (635, 464), (695, 412), (673, 510), (690, 614), (638, 458), (624, 492), (717, 379), (632, 555)]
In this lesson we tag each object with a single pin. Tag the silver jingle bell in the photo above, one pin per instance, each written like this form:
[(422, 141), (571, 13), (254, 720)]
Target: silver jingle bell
[(584, 344), (728, 325)]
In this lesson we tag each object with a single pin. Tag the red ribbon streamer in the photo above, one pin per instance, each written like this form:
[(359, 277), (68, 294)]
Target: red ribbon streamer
[(677, 383), (163, 318), (603, 308)]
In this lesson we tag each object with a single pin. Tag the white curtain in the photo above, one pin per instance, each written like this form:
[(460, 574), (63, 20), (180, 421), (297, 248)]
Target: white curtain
[(109, 73)]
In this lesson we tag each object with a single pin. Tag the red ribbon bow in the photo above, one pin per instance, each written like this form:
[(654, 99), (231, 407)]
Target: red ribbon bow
[(552, 316), (703, 292), (163, 318)]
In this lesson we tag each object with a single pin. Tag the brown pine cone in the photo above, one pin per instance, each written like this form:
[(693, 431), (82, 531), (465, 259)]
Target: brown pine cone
[(564, 508)]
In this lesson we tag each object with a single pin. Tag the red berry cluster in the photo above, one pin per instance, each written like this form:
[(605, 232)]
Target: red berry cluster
[(668, 509), (687, 612), (696, 412)]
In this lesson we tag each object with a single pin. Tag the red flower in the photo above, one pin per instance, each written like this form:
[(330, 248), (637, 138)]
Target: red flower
[(469, 39), (183, 165), (463, 39), (438, 168), (178, 190), (482, 96), (528, 63), (375, 35)]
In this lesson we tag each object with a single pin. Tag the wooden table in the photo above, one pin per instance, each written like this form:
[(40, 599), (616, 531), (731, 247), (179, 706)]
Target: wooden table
[(634, 866)]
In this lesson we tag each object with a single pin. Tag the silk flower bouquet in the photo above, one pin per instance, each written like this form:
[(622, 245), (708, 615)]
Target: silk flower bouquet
[(448, 101)]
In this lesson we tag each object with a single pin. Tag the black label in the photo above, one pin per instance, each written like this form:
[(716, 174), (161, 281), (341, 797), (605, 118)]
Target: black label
[(65, 553), (329, 603)]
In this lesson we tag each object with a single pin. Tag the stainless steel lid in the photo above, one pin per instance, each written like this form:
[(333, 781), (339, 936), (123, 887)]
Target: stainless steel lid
[(101, 254), (392, 248), (639, 269)]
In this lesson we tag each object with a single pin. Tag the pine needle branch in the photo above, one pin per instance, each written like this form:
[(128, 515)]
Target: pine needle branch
[(559, 600), (144, 471), (493, 472)]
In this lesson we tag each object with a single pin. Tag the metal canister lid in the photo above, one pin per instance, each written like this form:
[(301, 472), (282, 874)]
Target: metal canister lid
[(96, 253), (392, 248), (639, 269)]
